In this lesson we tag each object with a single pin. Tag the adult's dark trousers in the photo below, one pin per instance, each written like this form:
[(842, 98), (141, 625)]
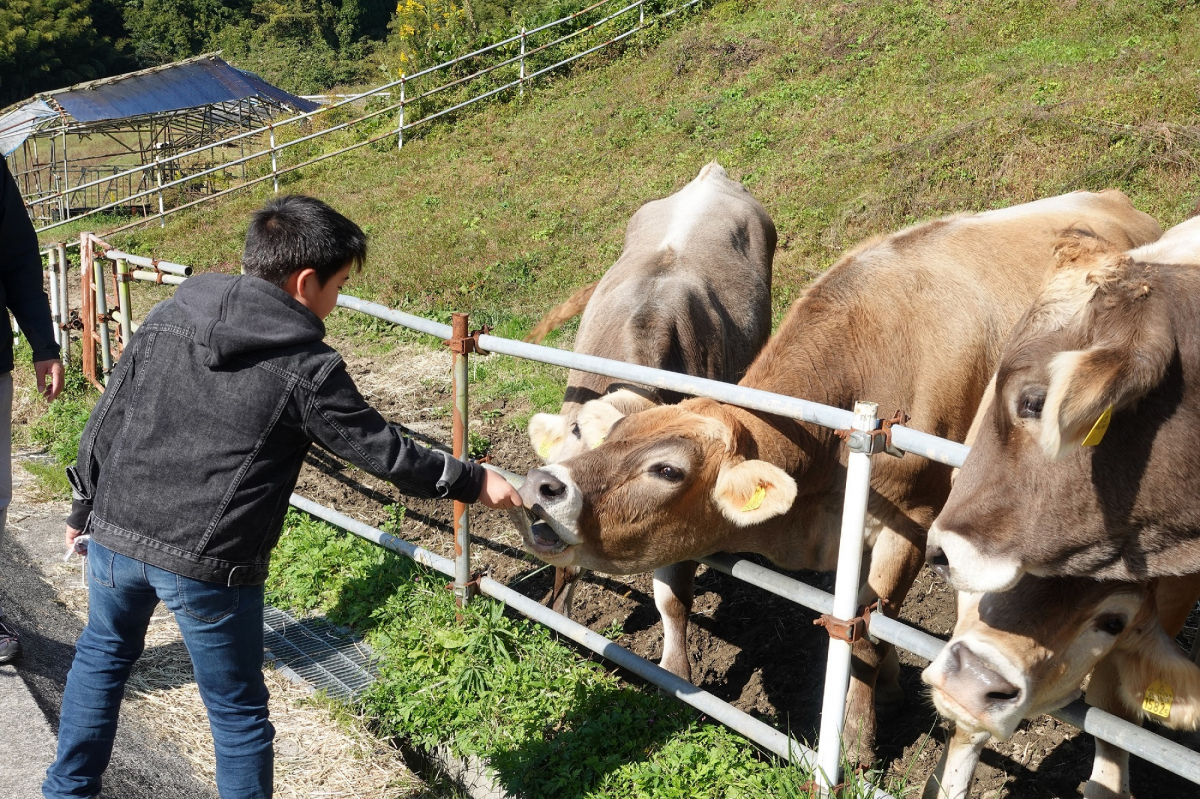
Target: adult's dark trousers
[(222, 628)]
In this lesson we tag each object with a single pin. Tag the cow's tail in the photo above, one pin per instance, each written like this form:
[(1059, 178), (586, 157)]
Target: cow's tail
[(561, 313)]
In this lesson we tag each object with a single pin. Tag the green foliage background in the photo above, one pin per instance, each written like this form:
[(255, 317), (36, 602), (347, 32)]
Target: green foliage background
[(303, 46)]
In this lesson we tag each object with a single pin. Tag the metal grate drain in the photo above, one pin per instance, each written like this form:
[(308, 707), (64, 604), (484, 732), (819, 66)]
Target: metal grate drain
[(318, 653)]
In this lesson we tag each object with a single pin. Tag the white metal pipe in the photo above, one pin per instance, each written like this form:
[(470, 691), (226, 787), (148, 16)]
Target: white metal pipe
[(55, 311), (98, 273), (149, 263), (156, 277), (845, 602)]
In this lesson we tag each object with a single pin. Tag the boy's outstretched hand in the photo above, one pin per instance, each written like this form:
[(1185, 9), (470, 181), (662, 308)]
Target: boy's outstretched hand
[(498, 494)]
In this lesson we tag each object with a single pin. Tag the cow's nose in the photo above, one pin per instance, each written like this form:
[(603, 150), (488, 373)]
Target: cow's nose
[(544, 486), (975, 685), (935, 556)]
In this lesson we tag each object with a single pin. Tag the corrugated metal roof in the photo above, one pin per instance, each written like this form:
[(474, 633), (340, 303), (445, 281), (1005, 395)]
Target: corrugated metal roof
[(200, 81)]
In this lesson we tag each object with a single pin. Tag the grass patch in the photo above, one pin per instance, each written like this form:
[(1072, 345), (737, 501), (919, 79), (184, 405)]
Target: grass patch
[(551, 723)]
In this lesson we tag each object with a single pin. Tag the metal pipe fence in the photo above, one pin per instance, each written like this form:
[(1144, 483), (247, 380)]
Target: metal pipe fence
[(151, 175), (1102, 725)]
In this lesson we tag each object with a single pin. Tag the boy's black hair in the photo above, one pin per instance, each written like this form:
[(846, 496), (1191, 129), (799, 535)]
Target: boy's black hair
[(297, 232)]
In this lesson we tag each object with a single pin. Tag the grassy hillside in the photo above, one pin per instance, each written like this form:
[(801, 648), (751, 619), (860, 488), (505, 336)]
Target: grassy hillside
[(845, 120)]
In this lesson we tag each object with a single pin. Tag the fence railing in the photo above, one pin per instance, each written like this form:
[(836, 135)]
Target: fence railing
[(825, 761), (414, 100)]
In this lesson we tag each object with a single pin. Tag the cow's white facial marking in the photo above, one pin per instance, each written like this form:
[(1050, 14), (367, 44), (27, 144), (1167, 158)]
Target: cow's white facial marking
[(970, 569)]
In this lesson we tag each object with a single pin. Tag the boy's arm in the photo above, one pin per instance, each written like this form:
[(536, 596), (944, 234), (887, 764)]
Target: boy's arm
[(341, 421)]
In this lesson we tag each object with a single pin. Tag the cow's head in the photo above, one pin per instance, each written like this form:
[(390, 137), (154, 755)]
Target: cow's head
[(1026, 651), (1055, 453), (667, 484), (578, 428)]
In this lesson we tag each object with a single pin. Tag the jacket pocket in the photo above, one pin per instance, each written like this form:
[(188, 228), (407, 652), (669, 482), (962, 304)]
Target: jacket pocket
[(205, 601)]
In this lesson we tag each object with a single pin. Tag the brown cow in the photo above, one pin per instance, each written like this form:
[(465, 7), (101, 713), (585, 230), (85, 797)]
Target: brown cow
[(690, 293), (1024, 652), (1114, 336), (914, 320)]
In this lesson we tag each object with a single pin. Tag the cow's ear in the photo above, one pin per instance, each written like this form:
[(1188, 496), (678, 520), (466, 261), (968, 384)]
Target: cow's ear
[(753, 491), (547, 432), (1157, 680), (596, 418), (1087, 386)]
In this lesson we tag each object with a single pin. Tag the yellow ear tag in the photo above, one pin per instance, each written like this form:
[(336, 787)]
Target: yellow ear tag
[(544, 450), (1158, 698), (755, 500), (598, 443), (1099, 428)]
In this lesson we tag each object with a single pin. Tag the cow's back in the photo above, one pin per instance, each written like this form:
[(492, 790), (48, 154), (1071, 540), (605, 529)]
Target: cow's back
[(691, 291), (916, 320)]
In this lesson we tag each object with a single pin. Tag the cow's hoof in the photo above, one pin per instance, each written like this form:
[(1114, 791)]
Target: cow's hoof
[(889, 701)]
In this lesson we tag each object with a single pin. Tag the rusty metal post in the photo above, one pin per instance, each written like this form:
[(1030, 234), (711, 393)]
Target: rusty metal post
[(87, 308), (106, 359), (461, 343)]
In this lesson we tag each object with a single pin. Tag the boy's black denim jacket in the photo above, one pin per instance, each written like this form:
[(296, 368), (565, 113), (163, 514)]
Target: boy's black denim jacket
[(188, 460)]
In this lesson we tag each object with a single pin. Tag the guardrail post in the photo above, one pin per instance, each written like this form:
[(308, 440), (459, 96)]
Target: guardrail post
[(274, 165), (64, 305), (522, 88), (55, 311), (845, 596), (162, 217), (124, 302), (102, 317), (461, 343), (641, 13), (400, 126)]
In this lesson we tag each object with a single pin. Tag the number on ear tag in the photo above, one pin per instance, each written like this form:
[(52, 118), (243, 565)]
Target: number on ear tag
[(1158, 698), (755, 500), (1099, 428)]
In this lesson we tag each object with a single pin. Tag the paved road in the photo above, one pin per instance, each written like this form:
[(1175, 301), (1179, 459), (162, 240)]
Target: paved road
[(143, 765)]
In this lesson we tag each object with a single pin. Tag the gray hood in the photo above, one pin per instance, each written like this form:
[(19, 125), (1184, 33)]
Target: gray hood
[(237, 314)]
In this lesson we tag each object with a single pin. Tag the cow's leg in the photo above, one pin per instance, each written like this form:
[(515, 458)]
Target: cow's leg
[(674, 586), (894, 562), (951, 777), (1110, 769), (563, 592)]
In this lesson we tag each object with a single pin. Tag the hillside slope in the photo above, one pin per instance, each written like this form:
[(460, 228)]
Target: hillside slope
[(846, 121)]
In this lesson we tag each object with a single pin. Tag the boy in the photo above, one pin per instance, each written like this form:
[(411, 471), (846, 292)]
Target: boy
[(183, 477)]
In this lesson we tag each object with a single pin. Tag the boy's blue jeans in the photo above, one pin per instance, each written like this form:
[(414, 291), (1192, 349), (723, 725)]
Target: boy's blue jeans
[(222, 628)]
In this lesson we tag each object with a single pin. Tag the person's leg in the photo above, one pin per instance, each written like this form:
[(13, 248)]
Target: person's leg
[(10, 641), (222, 627), (120, 603)]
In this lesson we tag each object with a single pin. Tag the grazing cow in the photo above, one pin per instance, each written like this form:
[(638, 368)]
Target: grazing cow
[(1112, 344), (1024, 652), (914, 320), (690, 293)]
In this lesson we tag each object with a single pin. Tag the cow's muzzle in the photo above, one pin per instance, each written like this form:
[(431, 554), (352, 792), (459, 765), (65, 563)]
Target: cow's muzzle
[(973, 690), (551, 513)]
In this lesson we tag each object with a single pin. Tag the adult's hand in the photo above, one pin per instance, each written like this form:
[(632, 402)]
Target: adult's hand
[(71, 535), (52, 368)]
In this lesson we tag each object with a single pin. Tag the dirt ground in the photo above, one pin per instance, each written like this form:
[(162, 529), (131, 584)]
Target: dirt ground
[(756, 651)]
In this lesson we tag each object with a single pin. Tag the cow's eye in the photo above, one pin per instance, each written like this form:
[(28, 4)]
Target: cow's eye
[(1113, 625), (667, 472), (1029, 405), (575, 430)]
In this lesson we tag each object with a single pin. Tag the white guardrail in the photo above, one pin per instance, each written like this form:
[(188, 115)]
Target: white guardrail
[(627, 19), (825, 761)]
